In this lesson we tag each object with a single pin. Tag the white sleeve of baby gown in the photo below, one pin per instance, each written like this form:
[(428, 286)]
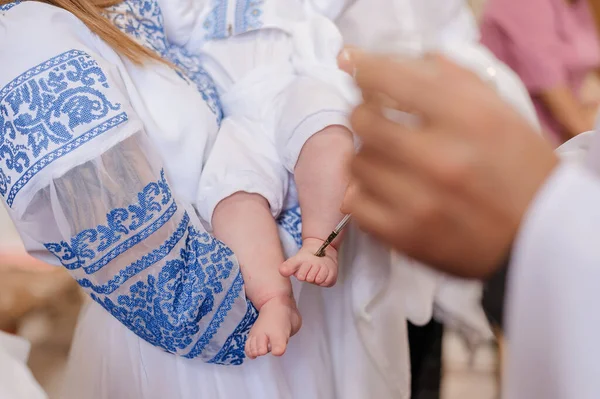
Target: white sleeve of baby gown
[(323, 95), (243, 159)]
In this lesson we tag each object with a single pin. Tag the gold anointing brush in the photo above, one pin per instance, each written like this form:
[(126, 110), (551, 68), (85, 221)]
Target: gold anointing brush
[(321, 252)]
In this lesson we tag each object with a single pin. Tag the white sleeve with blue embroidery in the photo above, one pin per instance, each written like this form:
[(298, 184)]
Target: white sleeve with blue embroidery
[(85, 190)]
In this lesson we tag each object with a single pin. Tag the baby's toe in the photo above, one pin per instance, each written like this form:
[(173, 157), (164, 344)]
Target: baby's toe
[(251, 347), (278, 344), (262, 345), (314, 272), (303, 271)]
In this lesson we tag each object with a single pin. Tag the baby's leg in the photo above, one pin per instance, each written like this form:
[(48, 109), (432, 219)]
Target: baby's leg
[(321, 179), (244, 222)]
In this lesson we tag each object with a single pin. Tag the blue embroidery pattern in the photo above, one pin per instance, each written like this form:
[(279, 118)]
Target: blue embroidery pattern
[(248, 15), (215, 24), (166, 310), (143, 20), (192, 65), (291, 221), (93, 249), (233, 294), (6, 7), (233, 351), (192, 285), (49, 111)]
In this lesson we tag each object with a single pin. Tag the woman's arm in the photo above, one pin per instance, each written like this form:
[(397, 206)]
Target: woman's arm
[(572, 115), (85, 189), (527, 36)]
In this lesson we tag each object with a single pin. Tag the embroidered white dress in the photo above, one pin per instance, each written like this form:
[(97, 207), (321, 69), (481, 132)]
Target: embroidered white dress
[(99, 161)]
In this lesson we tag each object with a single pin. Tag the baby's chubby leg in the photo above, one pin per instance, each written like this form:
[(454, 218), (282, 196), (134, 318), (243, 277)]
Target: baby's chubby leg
[(244, 222), (321, 179)]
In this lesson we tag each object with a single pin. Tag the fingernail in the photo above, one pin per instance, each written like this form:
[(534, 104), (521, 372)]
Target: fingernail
[(346, 55)]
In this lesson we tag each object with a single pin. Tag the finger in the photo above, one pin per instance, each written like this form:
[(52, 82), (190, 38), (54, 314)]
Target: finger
[(378, 132), (376, 218), (394, 144), (412, 83), (345, 60), (351, 191), (392, 186)]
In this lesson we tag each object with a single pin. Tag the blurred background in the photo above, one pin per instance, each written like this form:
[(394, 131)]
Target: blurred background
[(41, 303)]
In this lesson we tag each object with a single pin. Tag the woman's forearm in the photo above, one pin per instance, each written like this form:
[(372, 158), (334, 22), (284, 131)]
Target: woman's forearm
[(573, 116)]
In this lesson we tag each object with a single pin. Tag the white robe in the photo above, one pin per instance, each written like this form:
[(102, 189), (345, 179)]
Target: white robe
[(553, 349)]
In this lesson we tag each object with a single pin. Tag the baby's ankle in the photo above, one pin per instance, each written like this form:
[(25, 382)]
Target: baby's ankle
[(285, 298)]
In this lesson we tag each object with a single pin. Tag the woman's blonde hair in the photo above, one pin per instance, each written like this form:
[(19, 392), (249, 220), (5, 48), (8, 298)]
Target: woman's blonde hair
[(90, 12)]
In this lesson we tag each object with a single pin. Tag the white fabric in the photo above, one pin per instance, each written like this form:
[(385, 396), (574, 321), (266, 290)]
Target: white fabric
[(353, 344), (401, 26), (277, 90), (16, 380), (553, 346), (406, 27)]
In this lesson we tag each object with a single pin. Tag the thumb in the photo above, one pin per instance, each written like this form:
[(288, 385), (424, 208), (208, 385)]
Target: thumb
[(349, 197)]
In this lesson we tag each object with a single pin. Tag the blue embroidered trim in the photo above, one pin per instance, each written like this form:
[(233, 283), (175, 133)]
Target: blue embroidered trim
[(166, 309), (248, 15), (224, 308), (142, 264), (232, 352), (291, 221), (6, 7), (48, 112), (143, 20), (100, 242), (215, 24), (192, 66)]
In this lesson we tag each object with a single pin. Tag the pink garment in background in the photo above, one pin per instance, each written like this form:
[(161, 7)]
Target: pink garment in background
[(547, 43)]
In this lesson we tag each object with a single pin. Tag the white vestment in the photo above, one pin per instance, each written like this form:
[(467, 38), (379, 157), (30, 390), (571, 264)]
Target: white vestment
[(552, 291)]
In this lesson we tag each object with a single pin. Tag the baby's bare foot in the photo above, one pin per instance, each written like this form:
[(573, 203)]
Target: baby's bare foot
[(310, 268), (278, 320)]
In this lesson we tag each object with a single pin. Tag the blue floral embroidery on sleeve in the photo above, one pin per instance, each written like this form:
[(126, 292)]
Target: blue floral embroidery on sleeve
[(50, 111), (166, 309), (93, 249), (8, 6), (291, 221), (232, 352), (176, 296)]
